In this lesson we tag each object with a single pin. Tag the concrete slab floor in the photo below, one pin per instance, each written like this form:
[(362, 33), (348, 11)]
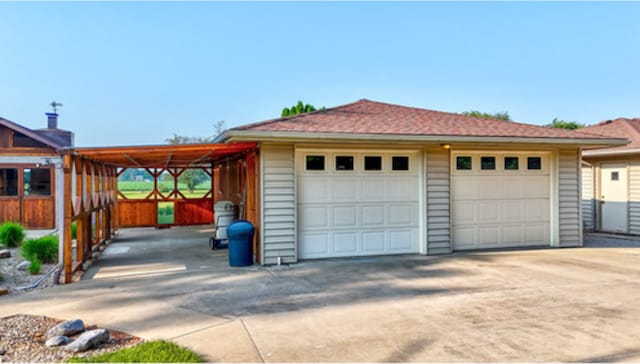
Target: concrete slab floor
[(576, 304)]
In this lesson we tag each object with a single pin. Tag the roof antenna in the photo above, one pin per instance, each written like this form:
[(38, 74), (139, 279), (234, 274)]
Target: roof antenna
[(55, 106)]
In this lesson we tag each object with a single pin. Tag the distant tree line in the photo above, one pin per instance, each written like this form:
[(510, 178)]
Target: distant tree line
[(504, 115)]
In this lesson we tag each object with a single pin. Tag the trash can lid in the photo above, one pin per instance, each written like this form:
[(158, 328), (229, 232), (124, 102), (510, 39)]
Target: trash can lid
[(240, 227)]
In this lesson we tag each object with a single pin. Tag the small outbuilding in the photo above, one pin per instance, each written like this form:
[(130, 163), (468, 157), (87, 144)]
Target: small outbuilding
[(31, 176), (611, 179), (372, 178)]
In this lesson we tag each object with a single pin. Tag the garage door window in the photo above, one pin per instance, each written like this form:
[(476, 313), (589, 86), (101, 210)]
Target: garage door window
[(511, 163), (315, 163), (488, 163), (400, 163), (372, 163), (463, 163), (344, 163), (534, 163)]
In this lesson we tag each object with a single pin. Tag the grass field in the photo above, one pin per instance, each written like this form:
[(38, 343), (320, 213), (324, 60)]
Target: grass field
[(142, 194), (166, 213)]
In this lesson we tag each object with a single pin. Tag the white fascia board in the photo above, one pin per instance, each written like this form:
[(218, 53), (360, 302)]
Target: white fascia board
[(18, 159), (608, 152), (244, 135)]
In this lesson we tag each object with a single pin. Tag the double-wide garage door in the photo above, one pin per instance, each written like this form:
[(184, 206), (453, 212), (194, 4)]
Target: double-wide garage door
[(500, 199), (357, 203)]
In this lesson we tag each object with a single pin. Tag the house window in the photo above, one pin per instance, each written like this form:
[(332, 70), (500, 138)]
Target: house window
[(487, 163), (615, 176), (511, 163), (534, 163), (400, 163), (344, 163), (37, 182), (372, 163), (315, 163), (22, 141), (463, 163), (8, 182)]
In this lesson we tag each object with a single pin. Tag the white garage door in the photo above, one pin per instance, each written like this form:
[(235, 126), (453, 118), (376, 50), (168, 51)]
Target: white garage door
[(356, 204), (500, 199)]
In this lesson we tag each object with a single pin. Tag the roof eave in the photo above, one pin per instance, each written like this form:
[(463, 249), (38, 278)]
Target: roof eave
[(253, 135), (30, 133), (609, 152)]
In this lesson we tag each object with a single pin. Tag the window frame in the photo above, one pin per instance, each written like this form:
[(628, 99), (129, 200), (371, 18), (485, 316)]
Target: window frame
[(325, 163), (364, 164), (464, 170), (345, 155), (540, 167), (393, 156), (18, 182), (487, 170), (23, 184), (511, 170)]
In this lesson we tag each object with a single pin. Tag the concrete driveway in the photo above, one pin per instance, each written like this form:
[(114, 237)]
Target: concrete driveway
[(529, 305)]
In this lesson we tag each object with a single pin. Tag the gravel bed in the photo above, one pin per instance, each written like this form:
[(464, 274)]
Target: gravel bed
[(13, 278), (22, 337)]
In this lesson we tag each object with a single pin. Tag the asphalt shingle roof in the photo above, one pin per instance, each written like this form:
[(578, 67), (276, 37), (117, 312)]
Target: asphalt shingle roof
[(618, 128), (372, 117)]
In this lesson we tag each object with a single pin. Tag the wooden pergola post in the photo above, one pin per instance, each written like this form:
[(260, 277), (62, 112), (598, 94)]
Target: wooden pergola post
[(67, 212)]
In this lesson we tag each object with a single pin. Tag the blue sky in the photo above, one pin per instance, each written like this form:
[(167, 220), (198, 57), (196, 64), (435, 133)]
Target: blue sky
[(135, 73)]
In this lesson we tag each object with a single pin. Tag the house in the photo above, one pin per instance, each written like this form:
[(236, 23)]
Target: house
[(31, 173), (372, 178), (611, 179)]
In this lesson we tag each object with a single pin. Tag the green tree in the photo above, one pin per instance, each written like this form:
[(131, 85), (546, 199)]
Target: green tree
[(297, 109), (193, 176), (563, 124), (485, 115)]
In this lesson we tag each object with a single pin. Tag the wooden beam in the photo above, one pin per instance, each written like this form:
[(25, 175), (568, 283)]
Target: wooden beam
[(129, 158)]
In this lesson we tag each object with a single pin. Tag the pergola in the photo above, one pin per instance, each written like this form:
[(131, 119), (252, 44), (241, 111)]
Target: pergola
[(94, 205)]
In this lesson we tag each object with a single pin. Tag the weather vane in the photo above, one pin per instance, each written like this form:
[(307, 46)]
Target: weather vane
[(55, 106)]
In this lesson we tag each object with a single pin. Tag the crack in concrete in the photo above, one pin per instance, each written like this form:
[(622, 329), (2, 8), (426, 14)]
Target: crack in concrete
[(252, 342), (228, 320)]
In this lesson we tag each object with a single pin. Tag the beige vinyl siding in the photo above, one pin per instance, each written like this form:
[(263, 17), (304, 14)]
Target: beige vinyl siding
[(278, 204), (634, 197), (569, 198), (438, 202), (588, 202)]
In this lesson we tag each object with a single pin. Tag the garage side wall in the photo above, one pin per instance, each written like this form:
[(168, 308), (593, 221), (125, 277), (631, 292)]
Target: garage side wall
[(438, 202), (634, 196), (588, 193), (278, 204), (569, 198)]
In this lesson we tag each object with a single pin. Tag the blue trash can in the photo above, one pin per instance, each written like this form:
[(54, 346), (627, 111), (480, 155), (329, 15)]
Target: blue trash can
[(240, 235)]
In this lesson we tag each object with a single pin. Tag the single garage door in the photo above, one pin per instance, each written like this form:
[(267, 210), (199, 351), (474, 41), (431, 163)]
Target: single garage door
[(500, 199), (357, 203)]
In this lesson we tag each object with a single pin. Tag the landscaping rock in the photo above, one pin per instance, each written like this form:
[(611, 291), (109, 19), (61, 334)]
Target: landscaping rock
[(88, 340), (66, 328), (2, 351), (57, 341), (5, 253), (4, 291), (24, 265)]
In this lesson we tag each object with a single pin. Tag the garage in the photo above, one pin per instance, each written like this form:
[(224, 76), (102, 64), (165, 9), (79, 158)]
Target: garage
[(358, 203), (500, 199)]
